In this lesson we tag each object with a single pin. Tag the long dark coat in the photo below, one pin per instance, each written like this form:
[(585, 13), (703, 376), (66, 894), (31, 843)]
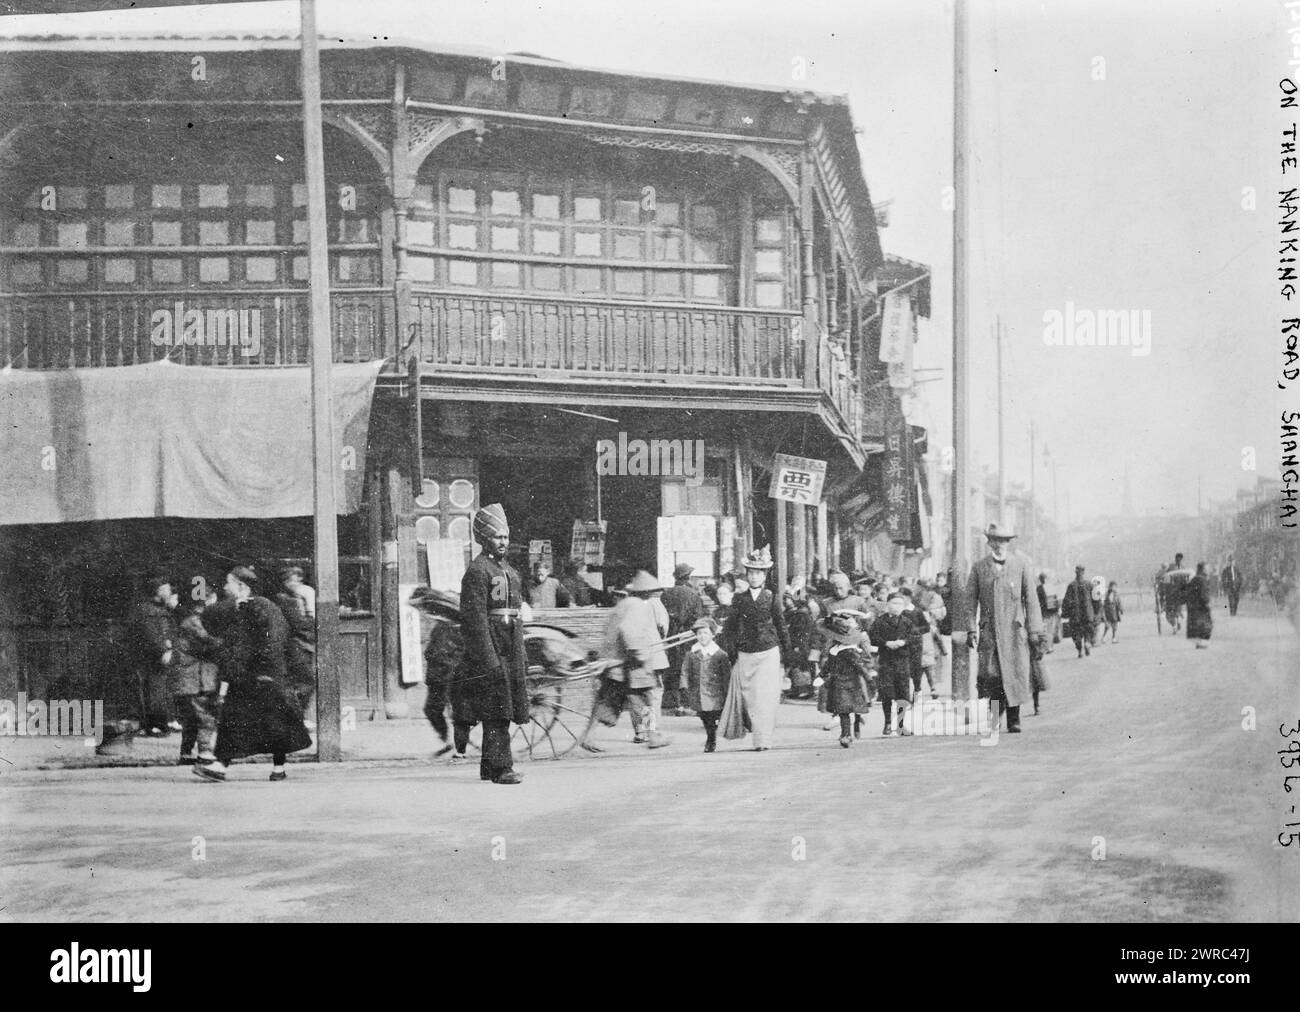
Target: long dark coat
[(846, 674), (1200, 620), (1078, 606), (491, 683), (260, 714), (894, 666), (1004, 599)]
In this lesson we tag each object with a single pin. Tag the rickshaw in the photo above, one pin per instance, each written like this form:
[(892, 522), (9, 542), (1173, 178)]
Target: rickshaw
[(561, 678)]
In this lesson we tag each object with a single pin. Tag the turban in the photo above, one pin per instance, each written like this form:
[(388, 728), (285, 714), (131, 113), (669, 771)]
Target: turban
[(490, 521)]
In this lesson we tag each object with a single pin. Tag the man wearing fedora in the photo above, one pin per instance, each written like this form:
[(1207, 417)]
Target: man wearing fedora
[(684, 607), (492, 680), (1004, 618)]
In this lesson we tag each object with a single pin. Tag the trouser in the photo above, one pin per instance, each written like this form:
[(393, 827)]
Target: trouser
[(710, 720), (644, 707), (197, 714), (497, 757), (926, 671), (435, 712), (1233, 597), (846, 725), (673, 695)]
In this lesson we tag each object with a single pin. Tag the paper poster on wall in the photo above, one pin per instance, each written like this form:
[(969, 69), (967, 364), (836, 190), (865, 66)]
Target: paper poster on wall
[(695, 533), (665, 553), (410, 640), (446, 563)]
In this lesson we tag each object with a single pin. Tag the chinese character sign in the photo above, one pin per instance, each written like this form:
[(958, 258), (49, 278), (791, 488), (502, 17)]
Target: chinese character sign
[(797, 479), (896, 329), (898, 478)]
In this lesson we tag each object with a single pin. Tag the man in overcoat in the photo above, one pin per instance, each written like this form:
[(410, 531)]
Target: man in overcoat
[(1004, 615), (1230, 581), (1079, 608), (492, 675)]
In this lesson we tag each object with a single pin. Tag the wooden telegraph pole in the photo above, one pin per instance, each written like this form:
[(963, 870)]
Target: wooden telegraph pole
[(324, 452), (960, 363)]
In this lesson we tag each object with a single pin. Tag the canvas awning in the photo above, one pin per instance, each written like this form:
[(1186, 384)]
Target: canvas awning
[(172, 440)]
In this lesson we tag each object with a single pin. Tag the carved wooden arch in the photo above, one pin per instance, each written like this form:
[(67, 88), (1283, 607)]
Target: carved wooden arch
[(775, 169), (429, 133), (370, 129)]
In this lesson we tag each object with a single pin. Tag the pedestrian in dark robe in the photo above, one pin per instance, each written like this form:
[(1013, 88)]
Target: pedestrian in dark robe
[(893, 635), (259, 713), (1200, 619), (443, 652), (491, 681), (299, 613), (1003, 614), (1230, 581), (1078, 610), (193, 679), (684, 606), (151, 630), (707, 674), (845, 673)]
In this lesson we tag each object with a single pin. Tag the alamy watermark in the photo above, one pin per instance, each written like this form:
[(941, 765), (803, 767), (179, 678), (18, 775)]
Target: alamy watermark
[(1103, 328), (677, 458), (55, 718)]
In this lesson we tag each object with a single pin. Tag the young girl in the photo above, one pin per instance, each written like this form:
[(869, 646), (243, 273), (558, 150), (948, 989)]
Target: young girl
[(1112, 612), (845, 672), (707, 672)]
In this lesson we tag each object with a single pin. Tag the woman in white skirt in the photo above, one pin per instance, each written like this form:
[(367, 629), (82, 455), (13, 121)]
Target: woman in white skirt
[(756, 630)]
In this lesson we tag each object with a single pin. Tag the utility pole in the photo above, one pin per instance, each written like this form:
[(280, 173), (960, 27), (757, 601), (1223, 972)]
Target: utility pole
[(960, 361), (324, 455)]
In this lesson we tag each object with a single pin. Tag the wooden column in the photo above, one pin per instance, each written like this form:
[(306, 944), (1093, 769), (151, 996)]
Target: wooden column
[(811, 337), (399, 567), (799, 560), (745, 271), (780, 551), (823, 548)]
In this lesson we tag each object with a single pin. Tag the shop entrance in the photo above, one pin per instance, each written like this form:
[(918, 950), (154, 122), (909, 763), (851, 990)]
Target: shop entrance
[(542, 498)]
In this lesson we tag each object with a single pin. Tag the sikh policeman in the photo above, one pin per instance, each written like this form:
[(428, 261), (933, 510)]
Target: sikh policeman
[(492, 671)]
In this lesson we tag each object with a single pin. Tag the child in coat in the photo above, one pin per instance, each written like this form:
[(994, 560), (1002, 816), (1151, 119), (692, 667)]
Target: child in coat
[(1112, 612), (847, 692), (707, 672), (893, 635)]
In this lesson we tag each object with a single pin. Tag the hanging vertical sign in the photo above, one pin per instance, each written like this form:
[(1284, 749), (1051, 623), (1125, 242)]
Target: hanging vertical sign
[(899, 481), (896, 329), (411, 642)]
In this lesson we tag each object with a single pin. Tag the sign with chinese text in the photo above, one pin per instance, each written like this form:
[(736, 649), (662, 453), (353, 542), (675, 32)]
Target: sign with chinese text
[(410, 640), (797, 479), (897, 475), (896, 329)]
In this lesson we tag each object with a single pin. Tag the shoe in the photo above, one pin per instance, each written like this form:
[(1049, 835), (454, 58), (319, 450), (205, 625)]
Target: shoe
[(186, 760), (1014, 730), (887, 732), (443, 751), (207, 773), (174, 725), (684, 711), (657, 740), (830, 726), (205, 758), (710, 746), (457, 759), (1035, 711), (761, 748), (1081, 653), (593, 749), (510, 777), (277, 777), (845, 741), (903, 732), (639, 739)]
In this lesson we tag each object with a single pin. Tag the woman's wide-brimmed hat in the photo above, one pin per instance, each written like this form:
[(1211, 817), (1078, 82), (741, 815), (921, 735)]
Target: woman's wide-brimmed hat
[(442, 603), (842, 628), (643, 583), (760, 559)]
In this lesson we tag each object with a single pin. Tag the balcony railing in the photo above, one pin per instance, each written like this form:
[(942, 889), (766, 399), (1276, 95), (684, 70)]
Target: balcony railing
[(254, 327), (623, 340)]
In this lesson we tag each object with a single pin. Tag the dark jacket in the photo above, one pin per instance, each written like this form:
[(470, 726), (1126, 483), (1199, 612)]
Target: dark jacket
[(757, 624), (491, 681), (578, 590), (846, 674), (895, 663), (1078, 606), (153, 633), (193, 670), (684, 605)]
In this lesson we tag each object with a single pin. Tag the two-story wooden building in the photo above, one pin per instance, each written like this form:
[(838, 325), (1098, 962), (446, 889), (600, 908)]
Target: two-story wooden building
[(528, 261)]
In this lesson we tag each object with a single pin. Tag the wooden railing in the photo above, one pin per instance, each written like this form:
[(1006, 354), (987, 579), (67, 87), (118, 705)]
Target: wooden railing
[(607, 339), (248, 327)]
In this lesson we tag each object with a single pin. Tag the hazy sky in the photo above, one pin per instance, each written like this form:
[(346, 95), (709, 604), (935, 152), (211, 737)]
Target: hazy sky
[(1119, 193)]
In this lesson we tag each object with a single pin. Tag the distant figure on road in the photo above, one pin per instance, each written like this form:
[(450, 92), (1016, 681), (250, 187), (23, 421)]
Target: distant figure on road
[(1200, 621), (1078, 610), (1230, 581), (1175, 583), (1112, 612), (1003, 617), (1050, 606)]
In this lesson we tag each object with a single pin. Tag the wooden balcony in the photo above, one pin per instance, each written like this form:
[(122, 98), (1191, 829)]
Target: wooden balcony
[(230, 327), (529, 347)]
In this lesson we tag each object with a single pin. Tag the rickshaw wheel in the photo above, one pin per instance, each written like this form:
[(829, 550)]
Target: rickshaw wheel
[(558, 719)]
